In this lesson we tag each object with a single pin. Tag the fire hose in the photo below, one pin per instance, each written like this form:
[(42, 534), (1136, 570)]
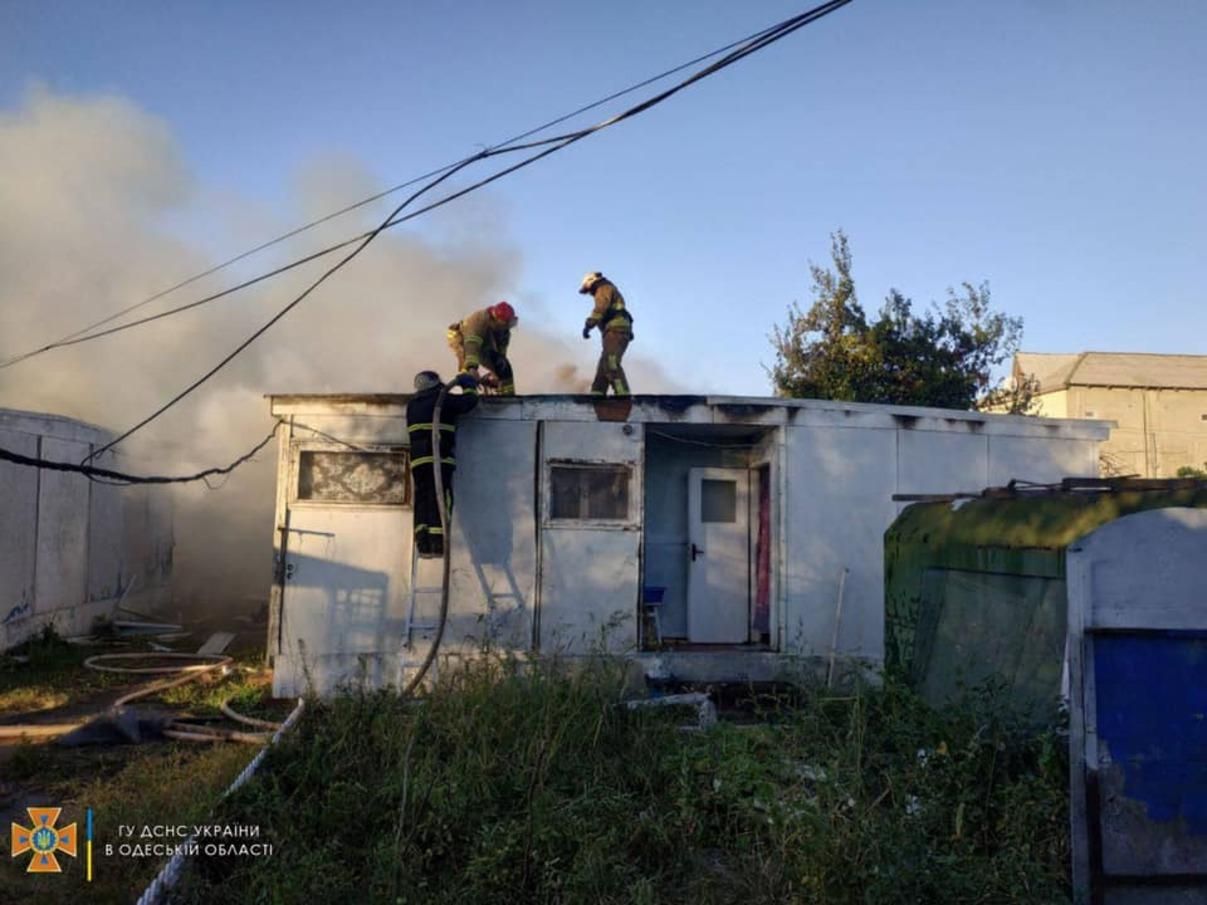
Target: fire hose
[(173, 729), (438, 475)]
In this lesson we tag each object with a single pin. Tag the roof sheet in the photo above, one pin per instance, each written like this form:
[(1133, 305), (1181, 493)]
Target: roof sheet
[(1056, 371)]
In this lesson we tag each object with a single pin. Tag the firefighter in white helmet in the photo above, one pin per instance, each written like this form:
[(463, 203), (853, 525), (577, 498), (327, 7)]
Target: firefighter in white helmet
[(615, 325)]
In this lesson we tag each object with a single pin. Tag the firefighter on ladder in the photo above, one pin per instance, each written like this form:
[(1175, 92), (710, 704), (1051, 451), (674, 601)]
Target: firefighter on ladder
[(429, 535), (481, 340), (615, 331)]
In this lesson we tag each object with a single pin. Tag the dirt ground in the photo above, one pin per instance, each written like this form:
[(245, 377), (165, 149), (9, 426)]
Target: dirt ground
[(157, 780)]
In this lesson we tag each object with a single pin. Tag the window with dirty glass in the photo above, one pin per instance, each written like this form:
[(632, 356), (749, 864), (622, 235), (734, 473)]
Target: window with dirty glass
[(352, 476), (718, 501), (589, 492)]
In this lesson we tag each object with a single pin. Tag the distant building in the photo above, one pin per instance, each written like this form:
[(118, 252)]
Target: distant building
[(1158, 402)]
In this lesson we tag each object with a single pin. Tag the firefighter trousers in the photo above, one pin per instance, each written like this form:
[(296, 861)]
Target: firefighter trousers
[(609, 371), (429, 535)]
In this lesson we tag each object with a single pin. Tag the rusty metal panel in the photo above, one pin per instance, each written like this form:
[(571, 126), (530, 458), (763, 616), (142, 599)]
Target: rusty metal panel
[(1152, 752), (1138, 710)]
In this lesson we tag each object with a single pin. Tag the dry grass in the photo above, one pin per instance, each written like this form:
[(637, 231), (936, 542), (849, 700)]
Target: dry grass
[(32, 699), (158, 783)]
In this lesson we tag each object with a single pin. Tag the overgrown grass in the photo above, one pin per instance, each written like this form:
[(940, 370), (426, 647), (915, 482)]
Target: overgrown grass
[(52, 676), (532, 785)]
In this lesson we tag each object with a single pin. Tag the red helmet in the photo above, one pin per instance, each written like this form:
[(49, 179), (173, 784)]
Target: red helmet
[(502, 312)]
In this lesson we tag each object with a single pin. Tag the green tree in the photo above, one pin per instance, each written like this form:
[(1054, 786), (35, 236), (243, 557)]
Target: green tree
[(942, 357), (1189, 471)]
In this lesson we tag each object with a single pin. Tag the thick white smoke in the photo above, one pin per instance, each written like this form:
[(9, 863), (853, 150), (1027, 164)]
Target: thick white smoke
[(93, 193)]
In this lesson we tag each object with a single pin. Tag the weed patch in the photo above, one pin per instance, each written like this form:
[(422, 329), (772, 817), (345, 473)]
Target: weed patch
[(512, 784), (51, 676)]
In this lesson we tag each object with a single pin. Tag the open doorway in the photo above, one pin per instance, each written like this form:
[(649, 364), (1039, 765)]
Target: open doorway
[(708, 545)]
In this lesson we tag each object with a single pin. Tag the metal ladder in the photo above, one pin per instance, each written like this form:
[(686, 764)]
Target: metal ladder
[(413, 592)]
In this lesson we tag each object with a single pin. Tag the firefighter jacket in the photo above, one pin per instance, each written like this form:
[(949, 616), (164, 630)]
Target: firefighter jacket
[(480, 333), (609, 312), (419, 423)]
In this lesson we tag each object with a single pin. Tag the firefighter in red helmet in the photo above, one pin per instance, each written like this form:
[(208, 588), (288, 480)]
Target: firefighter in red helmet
[(481, 340)]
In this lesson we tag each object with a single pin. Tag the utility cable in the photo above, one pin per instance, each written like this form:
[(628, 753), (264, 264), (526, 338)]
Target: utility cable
[(105, 475), (770, 36), (85, 333), (289, 307), (322, 252)]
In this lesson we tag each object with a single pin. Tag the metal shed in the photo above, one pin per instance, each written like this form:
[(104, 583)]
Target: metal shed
[(757, 523), (1138, 709), (976, 587), (1094, 593)]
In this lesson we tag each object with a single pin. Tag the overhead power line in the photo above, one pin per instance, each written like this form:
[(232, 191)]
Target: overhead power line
[(109, 476), (550, 146), (84, 334)]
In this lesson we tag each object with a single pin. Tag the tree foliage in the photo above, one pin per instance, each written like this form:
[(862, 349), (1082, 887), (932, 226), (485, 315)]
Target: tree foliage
[(941, 357)]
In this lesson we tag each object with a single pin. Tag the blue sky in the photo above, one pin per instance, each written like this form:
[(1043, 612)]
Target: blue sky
[(1053, 148)]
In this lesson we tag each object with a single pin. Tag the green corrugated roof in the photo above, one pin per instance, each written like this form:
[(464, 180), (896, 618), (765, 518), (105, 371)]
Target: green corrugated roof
[(1002, 534)]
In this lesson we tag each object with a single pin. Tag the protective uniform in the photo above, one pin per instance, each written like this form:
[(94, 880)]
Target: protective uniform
[(481, 340), (429, 534), (615, 330)]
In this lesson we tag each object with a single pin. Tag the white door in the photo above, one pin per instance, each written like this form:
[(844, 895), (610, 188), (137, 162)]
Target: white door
[(718, 550), (347, 560)]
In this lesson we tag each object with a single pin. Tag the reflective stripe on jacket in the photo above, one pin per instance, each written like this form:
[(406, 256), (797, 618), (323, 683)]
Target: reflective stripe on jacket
[(609, 312), (420, 410), (478, 332)]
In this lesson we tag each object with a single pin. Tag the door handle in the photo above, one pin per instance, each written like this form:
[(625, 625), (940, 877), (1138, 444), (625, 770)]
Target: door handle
[(696, 551)]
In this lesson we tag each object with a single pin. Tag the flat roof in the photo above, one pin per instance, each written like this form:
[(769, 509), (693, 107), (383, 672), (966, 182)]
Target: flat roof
[(688, 408), (52, 425)]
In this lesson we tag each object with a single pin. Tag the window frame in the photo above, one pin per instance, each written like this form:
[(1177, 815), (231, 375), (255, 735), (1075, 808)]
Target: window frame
[(298, 447), (630, 521)]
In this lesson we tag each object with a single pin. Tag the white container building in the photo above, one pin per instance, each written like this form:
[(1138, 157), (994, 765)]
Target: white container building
[(758, 522)]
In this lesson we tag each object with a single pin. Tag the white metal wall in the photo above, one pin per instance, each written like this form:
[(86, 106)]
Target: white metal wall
[(69, 548), (589, 571), (522, 582), (841, 478)]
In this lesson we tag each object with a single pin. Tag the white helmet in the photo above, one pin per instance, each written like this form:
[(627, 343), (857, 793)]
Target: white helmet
[(591, 278)]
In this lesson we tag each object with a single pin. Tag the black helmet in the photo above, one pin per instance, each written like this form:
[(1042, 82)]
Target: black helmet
[(426, 380)]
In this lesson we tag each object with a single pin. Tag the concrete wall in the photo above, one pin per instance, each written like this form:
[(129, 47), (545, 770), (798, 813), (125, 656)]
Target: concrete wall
[(1158, 431), (70, 548)]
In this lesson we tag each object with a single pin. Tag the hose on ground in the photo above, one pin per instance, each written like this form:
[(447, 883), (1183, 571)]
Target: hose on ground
[(231, 714), (438, 475), (181, 675)]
